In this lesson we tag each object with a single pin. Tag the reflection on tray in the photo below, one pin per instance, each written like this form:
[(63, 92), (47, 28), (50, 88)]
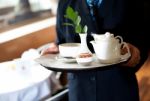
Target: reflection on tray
[(65, 59)]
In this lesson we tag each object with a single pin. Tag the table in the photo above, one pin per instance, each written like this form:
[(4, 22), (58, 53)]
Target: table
[(16, 85)]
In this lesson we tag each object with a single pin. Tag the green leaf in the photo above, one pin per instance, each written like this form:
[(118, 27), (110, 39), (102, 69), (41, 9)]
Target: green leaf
[(78, 28), (85, 28), (75, 16), (71, 14), (68, 24), (78, 20)]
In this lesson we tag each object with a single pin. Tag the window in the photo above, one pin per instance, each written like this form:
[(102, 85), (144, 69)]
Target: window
[(14, 11)]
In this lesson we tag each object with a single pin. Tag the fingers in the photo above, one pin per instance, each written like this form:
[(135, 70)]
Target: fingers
[(135, 56), (52, 49)]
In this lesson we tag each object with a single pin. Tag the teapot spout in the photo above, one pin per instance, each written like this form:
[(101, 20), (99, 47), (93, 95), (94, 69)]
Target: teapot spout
[(92, 42)]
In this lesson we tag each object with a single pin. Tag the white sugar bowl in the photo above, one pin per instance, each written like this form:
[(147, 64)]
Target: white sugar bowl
[(84, 59)]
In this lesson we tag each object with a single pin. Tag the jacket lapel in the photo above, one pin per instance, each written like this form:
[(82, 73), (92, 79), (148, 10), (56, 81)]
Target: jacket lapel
[(86, 16)]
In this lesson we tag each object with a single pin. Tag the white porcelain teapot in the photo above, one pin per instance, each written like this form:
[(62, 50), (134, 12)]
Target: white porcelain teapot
[(108, 48)]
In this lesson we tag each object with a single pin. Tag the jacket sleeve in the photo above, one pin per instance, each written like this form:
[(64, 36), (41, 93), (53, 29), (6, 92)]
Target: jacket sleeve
[(126, 18), (137, 31), (59, 22)]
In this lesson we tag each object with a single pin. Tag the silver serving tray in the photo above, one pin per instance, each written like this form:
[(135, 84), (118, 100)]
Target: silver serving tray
[(54, 62)]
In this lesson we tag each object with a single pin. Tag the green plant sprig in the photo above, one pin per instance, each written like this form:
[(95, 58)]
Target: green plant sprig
[(73, 15)]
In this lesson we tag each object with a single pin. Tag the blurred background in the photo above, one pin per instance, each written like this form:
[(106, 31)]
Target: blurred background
[(15, 11), (30, 24)]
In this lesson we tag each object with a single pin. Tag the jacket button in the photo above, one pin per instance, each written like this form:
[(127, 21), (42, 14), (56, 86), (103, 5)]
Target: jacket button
[(92, 78)]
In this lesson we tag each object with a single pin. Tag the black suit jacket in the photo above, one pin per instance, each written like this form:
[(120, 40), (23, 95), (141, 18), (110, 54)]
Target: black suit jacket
[(121, 17)]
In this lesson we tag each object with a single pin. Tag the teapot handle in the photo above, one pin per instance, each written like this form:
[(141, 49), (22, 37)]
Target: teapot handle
[(120, 39), (128, 54)]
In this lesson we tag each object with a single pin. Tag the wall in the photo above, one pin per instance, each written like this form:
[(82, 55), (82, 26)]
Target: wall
[(14, 48)]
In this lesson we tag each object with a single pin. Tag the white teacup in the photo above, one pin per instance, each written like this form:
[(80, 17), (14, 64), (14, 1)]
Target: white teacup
[(69, 49)]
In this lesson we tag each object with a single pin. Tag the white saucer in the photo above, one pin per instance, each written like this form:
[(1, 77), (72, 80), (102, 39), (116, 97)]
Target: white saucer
[(115, 60), (109, 61)]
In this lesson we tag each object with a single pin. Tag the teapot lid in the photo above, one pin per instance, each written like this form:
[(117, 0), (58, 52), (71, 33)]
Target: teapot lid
[(109, 35), (104, 37)]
